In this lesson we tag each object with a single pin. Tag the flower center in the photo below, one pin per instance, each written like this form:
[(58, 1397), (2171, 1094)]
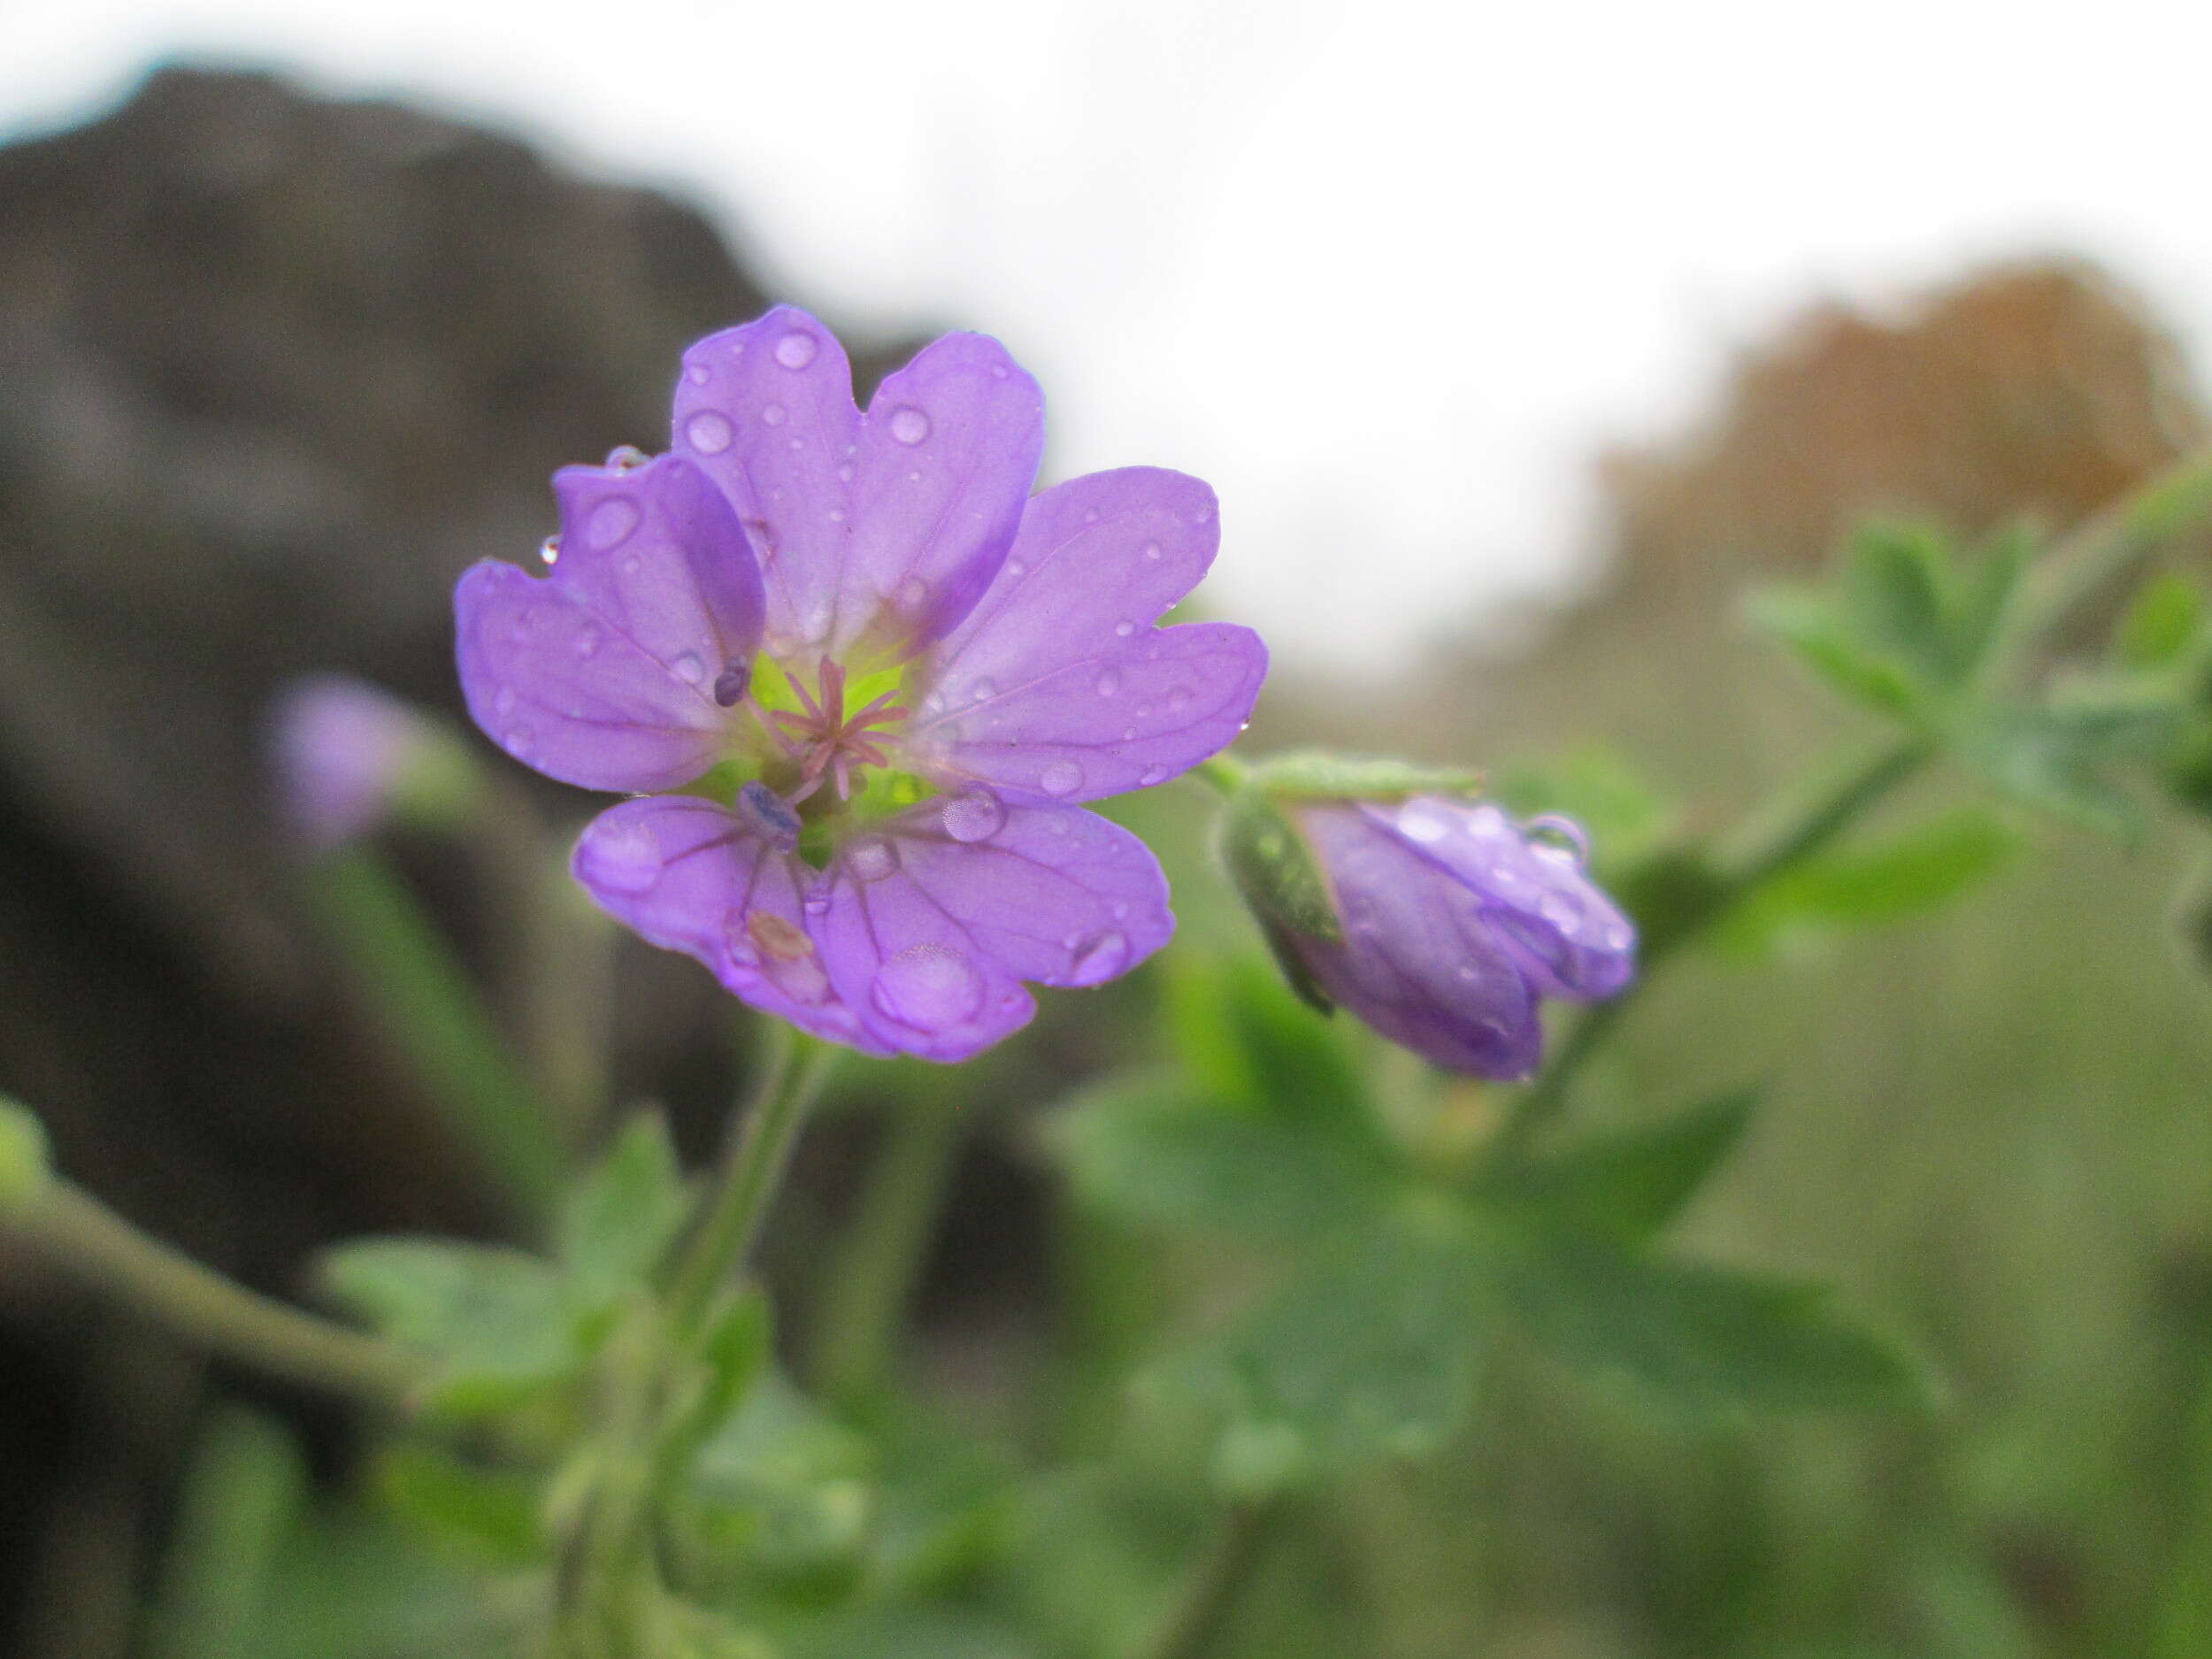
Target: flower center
[(827, 744)]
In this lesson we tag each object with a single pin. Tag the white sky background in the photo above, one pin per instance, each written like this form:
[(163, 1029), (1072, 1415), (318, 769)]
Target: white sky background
[(1385, 273)]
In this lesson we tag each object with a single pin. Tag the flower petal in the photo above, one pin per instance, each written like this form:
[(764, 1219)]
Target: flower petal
[(1056, 687), (1572, 939), (689, 875), (602, 673), (874, 531), (1419, 959)]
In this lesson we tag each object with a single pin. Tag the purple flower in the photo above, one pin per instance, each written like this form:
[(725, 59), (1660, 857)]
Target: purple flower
[(1442, 922), (883, 673), (344, 753)]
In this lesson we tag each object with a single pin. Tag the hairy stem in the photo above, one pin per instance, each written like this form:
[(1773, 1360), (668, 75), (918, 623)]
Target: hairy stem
[(738, 1198), (872, 1275), (87, 1237), (1209, 1600)]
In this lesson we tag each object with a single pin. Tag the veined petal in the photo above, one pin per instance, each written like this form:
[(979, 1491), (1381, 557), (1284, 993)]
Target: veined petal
[(1056, 687), (875, 531), (1419, 959), (689, 875), (602, 673), (1572, 939)]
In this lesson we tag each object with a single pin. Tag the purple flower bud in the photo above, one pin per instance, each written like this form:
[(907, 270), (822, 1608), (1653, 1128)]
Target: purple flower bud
[(1439, 922), (343, 752)]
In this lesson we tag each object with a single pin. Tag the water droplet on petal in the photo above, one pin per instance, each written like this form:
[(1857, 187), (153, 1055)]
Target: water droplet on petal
[(1098, 958), (837, 515), (913, 593), (772, 415), (520, 741), (870, 858), (973, 815), (1090, 515), (698, 373), (588, 639), (1150, 776), (1015, 567), (1109, 683), (709, 432), (929, 986), (1421, 823), (845, 473), (913, 478), (631, 565), (908, 425), (626, 457), (549, 550), (1178, 699), (624, 858), (689, 669), (1560, 837), (505, 703), (1152, 550), (1063, 777), (796, 349), (817, 904), (1125, 628), (611, 523), (984, 689)]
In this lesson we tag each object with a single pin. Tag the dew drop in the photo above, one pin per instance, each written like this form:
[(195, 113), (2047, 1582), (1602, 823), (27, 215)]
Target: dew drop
[(1099, 958), (1152, 550), (1150, 776), (504, 704), (1109, 683), (772, 415), (913, 593), (612, 522), (908, 425), (1125, 628), (689, 669), (798, 444), (1015, 567), (1559, 838), (587, 643), (796, 349), (984, 690), (626, 457), (1090, 515), (549, 550), (520, 741), (1128, 732), (870, 858), (837, 515), (623, 856), (698, 373), (913, 478), (973, 815), (1063, 777), (845, 473), (817, 904), (928, 987), (709, 432), (1178, 699), (631, 566), (1424, 824)]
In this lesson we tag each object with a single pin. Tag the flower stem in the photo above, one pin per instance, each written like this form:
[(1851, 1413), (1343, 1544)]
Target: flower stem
[(737, 1200), (1193, 1626), (1779, 842), (872, 1277), (87, 1237)]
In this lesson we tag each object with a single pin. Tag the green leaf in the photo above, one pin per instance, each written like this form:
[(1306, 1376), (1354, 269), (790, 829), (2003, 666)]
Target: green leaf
[(2158, 629), (1631, 1184), (1369, 1353), (1905, 875), (1891, 593), (1806, 623), (2052, 757), (617, 1221), (1299, 1068), (1699, 1338), (781, 1490), (498, 1321), (1147, 1149), (491, 1514)]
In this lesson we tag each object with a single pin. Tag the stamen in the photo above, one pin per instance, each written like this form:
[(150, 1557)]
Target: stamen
[(731, 685)]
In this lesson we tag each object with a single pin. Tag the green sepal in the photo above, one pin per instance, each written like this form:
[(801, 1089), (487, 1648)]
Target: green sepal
[(1275, 869), (25, 1166), (1316, 774)]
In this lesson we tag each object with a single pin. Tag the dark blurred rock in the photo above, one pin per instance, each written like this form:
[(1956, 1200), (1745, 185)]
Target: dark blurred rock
[(273, 370)]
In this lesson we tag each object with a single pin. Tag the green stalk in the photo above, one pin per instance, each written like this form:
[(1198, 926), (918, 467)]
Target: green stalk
[(738, 1198), (82, 1235), (872, 1275), (1209, 1597), (428, 1007)]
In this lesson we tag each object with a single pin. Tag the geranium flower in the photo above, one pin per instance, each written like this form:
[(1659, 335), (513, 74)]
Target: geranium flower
[(862, 678), (1438, 920)]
